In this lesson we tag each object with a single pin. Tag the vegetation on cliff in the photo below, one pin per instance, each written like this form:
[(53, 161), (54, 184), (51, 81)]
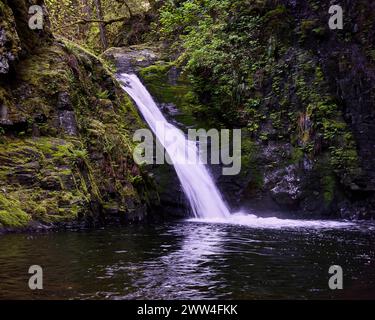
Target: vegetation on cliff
[(66, 139)]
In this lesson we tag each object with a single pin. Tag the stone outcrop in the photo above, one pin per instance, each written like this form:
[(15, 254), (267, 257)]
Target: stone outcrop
[(65, 133)]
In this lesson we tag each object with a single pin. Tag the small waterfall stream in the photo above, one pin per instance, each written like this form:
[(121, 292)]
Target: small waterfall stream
[(199, 187)]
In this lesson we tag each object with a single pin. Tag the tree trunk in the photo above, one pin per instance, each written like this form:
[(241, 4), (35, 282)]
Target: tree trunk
[(103, 32), (129, 10), (86, 13)]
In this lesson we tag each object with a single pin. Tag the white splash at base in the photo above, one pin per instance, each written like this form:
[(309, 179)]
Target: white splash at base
[(253, 221)]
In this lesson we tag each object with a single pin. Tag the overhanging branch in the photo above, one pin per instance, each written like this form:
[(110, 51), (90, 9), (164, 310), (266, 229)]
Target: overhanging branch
[(87, 21)]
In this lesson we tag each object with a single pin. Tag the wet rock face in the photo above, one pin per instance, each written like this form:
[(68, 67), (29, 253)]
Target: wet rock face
[(131, 59), (348, 61), (173, 201), (5, 57), (9, 41), (64, 102), (66, 115), (4, 114), (326, 180), (68, 122), (4, 65), (353, 79), (287, 189)]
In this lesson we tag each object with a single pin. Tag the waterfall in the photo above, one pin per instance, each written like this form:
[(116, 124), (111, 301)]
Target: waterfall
[(203, 195)]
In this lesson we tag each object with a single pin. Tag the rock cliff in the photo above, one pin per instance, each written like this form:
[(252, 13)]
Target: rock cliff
[(65, 132)]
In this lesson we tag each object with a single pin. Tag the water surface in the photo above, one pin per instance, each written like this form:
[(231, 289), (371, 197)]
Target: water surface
[(192, 260)]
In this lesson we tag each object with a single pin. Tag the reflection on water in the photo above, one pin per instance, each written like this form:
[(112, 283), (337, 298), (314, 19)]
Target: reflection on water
[(192, 260), (187, 271)]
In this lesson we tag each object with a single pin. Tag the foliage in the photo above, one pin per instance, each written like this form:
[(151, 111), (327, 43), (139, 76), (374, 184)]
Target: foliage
[(217, 48), (65, 16)]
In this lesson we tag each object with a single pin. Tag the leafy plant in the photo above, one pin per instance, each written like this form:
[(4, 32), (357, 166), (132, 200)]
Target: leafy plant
[(103, 94)]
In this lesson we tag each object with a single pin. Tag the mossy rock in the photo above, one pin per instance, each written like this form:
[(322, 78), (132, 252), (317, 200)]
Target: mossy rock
[(52, 174), (11, 214)]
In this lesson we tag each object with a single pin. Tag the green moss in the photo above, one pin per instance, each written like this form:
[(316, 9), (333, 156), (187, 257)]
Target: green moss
[(86, 56), (344, 159), (180, 94), (12, 41), (249, 162), (46, 71), (319, 74), (328, 187), (297, 155), (156, 79), (309, 26), (57, 160), (11, 214), (276, 13)]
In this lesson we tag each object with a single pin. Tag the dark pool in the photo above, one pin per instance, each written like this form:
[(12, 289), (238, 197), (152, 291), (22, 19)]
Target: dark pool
[(191, 260)]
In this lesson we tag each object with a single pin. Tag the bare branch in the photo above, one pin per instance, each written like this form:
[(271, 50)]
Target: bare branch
[(86, 21)]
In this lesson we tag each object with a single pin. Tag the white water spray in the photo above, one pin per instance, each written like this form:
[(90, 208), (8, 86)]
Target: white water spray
[(199, 187)]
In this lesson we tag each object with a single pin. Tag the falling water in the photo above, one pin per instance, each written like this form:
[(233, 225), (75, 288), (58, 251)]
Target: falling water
[(201, 191)]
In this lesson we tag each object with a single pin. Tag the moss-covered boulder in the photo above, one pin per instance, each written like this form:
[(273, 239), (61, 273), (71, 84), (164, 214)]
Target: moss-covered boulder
[(66, 150), (132, 58)]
